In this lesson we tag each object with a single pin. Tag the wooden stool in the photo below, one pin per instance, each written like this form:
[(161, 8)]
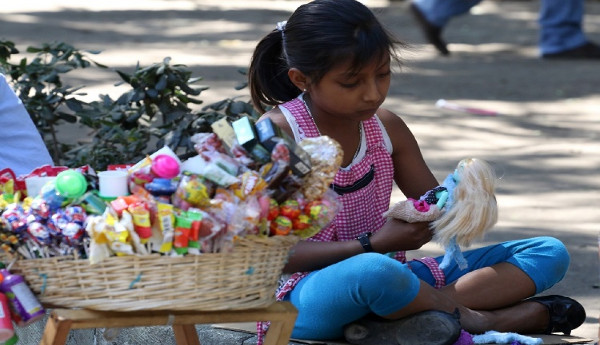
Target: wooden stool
[(282, 316)]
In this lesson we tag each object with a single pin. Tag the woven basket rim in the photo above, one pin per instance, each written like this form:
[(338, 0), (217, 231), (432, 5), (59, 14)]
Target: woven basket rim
[(245, 278)]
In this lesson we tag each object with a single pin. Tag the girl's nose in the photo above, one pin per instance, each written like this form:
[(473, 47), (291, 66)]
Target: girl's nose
[(372, 92)]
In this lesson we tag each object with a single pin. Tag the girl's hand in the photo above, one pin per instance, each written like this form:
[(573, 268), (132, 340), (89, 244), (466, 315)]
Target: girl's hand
[(398, 235)]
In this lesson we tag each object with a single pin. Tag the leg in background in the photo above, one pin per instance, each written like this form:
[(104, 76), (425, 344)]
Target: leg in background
[(439, 12), (561, 25), (433, 15)]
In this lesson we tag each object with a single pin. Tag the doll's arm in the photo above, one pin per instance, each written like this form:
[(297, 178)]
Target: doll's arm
[(442, 198), (413, 211), (426, 209)]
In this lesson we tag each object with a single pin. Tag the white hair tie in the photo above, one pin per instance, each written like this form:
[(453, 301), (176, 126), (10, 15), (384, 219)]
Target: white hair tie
[(281, 25)]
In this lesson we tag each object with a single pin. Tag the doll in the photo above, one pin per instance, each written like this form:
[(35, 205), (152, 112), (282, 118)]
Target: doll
[(460, 210)]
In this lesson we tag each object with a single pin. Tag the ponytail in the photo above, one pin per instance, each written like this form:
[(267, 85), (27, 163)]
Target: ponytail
[(268, 73)]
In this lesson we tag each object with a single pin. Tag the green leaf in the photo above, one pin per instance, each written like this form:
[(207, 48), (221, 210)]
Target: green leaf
[(241, 86), (195, 80), (33, 50), (52, 99), (162, 83), (99, 64), (126, 77), (152, 93), (237, 108), (67, 117), (138, 95), (74, 104)]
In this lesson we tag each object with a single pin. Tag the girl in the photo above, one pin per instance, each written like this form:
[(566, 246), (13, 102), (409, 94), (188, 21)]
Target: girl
[(327, 71)]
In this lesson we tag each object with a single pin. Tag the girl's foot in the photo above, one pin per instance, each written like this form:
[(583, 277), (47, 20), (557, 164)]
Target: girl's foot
[(566, 313), (425, 328)]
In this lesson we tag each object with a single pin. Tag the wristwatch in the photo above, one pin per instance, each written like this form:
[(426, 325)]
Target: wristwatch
[(365, 241)]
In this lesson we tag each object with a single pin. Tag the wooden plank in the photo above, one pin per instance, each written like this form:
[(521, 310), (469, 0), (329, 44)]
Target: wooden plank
[(186, 335), (281, 314), (56, 331)]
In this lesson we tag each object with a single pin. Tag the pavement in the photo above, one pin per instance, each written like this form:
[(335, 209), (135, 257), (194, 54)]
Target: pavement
[(543, 141)]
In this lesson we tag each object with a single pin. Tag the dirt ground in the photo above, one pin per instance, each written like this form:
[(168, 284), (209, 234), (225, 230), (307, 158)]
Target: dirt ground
[(544, 142)]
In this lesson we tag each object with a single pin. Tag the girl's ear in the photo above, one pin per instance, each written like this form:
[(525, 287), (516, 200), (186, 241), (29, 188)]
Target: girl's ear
[(298, 78)]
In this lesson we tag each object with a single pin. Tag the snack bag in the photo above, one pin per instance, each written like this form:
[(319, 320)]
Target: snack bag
[(326, 158)]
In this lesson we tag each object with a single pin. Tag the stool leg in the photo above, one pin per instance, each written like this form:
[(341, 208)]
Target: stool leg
[(279, 332), (186, 335), (56, 331)]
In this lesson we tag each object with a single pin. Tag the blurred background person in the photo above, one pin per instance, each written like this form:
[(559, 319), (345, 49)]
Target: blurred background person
[(22, 147), (561, 33)]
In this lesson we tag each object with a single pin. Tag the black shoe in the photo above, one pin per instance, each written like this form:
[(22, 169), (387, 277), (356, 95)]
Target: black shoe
[(430, 327), (432, 33), (587, 51), (566, 313)]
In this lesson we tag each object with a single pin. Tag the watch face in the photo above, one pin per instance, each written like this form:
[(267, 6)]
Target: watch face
[(365, 241)]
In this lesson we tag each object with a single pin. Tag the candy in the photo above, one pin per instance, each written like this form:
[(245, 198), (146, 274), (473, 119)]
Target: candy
[(161, 186), (290, 209), (40, 208), (39, 232), (58, 221), (70, 184), (141, 221), (316, 209), (302, 222), (73, 233), (273, 209), (282, 225), (15, 219), (192, 190), (165, 166), (76, 214)]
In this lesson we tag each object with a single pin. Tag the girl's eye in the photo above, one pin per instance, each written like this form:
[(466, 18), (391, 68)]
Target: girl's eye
[(348, 85), (385, 74)]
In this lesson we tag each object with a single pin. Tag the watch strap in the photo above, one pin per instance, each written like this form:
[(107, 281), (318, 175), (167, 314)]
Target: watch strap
[(365, 241)]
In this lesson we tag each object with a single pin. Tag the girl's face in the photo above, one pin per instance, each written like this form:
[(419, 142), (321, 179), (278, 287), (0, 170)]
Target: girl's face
[(352, 95)]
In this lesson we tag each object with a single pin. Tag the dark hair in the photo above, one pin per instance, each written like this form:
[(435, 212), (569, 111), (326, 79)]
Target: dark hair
[(318, 36)]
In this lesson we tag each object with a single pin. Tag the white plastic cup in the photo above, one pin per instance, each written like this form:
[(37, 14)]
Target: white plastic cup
[(113, 183), (34, 184)]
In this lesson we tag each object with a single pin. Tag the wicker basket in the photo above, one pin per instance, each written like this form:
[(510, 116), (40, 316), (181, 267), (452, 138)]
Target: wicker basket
[(246, 278)]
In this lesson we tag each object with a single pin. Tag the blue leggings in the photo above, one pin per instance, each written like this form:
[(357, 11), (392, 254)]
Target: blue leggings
[(344, 292)]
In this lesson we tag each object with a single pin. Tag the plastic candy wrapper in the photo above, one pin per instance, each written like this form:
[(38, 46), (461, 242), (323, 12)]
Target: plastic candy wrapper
[(173, 207), (320, 212), (32, 231), (326, 158), (211, 171), (193, 191), (300, 217), (10, 183), (251, 183), (112, 236), (224, 161), (207, 142)]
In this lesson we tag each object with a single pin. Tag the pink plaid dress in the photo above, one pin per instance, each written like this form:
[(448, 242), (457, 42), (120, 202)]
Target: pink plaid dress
[(364, 190)]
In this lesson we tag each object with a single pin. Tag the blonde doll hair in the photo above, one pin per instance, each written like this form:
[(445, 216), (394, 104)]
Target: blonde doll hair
[(474, 209)]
